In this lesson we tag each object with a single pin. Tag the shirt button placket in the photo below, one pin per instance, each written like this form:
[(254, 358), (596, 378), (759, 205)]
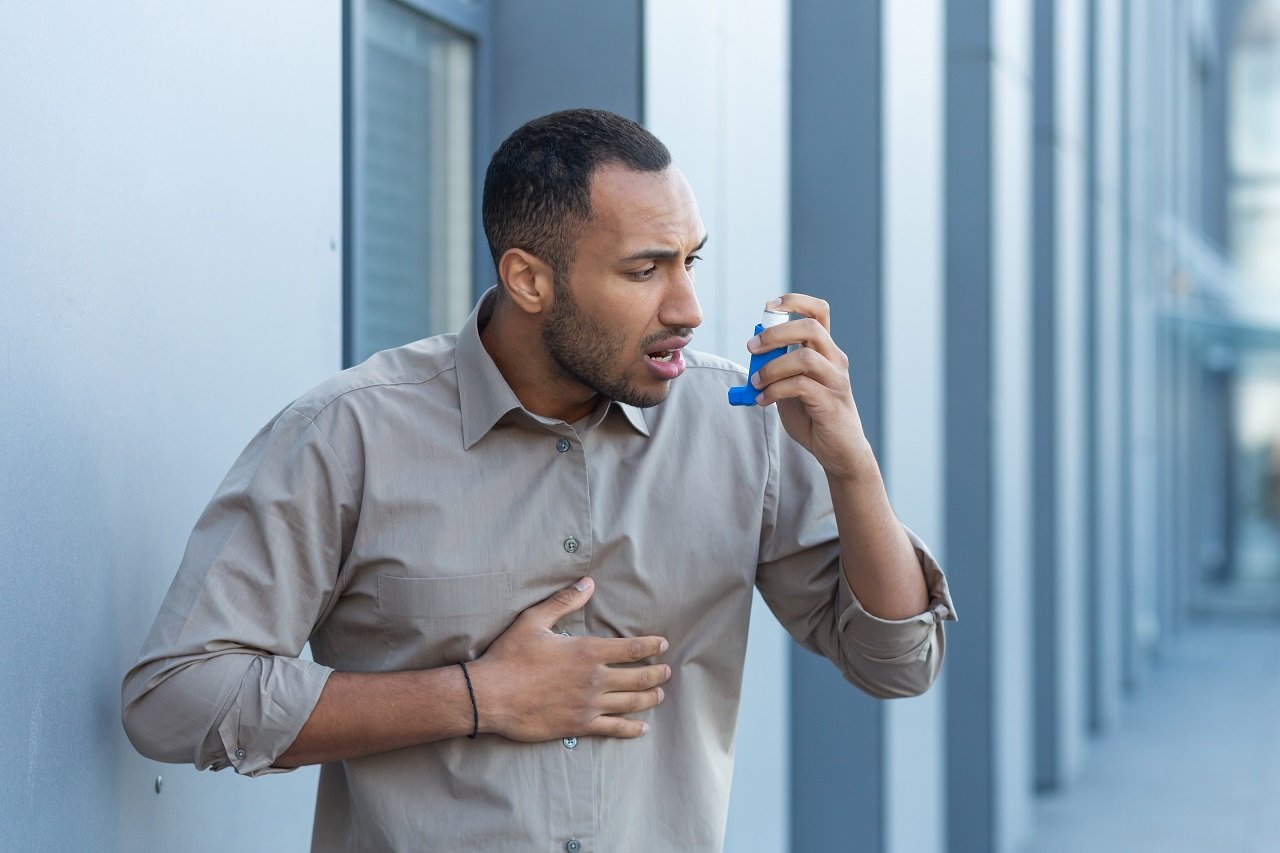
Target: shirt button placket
[(578, 756)]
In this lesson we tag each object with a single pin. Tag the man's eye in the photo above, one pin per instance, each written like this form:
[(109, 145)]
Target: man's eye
[(691, 260), (644, 274)]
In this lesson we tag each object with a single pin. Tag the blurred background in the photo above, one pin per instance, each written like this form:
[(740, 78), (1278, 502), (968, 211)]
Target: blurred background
[(1050, 234)]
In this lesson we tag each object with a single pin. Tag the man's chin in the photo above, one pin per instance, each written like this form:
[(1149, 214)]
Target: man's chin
[(645, 398)]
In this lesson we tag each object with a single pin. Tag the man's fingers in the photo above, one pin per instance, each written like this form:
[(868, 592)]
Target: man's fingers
[(617, 727), (802, 362), (636, 677), (801, 303), (631, 701), (550, 611), (803, 388), (627, 650), (806, 332)]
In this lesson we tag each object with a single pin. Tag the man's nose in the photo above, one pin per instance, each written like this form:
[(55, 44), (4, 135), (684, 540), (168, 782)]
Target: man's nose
[(681, 307)]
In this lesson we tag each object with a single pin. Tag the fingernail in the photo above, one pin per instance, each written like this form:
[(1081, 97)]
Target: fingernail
[(753, 343), (755, 380), (583, 584), (775, 302), (644, 728), (662, 694), (663, 646)]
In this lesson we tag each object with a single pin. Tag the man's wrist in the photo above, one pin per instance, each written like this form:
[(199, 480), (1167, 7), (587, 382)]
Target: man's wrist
[(858, 469)]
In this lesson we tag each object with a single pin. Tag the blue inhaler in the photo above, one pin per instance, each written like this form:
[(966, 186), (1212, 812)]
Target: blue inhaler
[(745, 395)]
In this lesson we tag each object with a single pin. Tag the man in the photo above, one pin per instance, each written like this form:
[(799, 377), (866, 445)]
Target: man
[(523, 554)]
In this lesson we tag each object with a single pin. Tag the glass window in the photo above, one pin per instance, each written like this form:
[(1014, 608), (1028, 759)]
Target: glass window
[(410, 179), (1246, 575), (1255, 145)]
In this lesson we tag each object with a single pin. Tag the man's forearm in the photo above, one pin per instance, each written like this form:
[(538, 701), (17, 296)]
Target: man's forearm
[(879, 562), (363, 714)]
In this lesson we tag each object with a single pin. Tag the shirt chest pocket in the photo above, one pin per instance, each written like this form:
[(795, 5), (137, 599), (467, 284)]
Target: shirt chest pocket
[(443, 598), (435, 621)]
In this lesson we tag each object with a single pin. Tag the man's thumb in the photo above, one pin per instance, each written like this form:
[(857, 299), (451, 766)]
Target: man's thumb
[(565, 601)]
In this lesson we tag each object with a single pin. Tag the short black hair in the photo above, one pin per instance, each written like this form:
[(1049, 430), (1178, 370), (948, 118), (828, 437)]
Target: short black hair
[(537, 189)]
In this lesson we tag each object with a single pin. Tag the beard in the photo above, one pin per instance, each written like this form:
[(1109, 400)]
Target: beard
[(591, 354)]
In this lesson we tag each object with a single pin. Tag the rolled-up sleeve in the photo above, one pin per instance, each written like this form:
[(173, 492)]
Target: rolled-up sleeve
[(802, 579), (892, 658), (219, 682)]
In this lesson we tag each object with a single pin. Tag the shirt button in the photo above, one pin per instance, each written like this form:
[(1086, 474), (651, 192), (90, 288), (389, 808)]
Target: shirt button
[(240, 753), (563, 445), (571, 545), (573, 845), (570, 742)]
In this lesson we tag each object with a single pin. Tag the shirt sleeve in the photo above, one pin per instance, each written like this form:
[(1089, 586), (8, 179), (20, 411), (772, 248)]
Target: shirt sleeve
[(802, 579), (219, 681)]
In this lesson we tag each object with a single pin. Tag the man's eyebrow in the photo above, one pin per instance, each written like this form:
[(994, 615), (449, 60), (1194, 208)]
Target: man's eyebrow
[(658, 254)]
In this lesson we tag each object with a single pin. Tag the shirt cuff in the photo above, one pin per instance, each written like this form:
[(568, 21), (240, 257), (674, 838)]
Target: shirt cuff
[(275, 700), (898, 640)]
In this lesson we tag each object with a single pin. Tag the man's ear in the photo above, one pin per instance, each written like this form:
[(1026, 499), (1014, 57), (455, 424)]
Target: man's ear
[(527, 279)]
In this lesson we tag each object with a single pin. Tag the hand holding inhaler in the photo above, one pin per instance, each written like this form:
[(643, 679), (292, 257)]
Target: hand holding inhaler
[(745, 395)]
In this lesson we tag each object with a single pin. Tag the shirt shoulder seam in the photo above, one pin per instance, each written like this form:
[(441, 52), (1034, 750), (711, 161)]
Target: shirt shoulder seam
[(365, 387)]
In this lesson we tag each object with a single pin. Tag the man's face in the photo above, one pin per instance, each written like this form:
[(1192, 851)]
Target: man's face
[(627, 307)]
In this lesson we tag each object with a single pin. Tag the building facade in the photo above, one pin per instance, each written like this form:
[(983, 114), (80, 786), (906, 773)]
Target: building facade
[(1024, 214)]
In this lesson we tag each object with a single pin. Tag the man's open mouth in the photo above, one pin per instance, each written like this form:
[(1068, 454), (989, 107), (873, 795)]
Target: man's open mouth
[(660, 355)]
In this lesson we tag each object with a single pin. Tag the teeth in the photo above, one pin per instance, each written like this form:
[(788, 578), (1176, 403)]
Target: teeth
[(666, 357)]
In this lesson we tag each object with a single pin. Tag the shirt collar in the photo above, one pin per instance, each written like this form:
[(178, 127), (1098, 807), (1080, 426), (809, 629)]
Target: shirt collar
[(483, 392)]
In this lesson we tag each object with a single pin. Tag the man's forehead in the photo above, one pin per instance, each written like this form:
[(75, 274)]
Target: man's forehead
[(625, 201)]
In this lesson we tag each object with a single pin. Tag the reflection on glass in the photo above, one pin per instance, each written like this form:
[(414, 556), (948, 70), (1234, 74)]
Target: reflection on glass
[(413, 267), (1250, 577), (1257, 492)]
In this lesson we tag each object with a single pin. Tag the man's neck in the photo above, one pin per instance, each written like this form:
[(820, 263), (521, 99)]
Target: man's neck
[(513, 340)]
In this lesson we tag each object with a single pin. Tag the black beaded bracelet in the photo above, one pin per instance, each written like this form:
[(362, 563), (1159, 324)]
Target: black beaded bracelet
[(475, 713)]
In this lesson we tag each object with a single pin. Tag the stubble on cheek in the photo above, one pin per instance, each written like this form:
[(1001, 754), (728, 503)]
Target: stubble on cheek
[(588, 352)]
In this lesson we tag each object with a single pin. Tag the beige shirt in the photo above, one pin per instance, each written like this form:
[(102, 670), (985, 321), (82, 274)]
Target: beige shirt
[(402, 513)]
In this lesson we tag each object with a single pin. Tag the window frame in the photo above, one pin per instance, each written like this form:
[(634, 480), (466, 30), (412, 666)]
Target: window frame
[(470, 19)]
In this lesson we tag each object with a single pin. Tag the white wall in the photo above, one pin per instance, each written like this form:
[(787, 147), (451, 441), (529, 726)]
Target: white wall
[(1011, 414), (716, 76), (912, 40), (170, 214)]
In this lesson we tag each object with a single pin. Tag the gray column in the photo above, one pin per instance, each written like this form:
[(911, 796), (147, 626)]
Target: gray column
[(557, 54), (1105, 486), (1145, 423), (988, 416), (1060, 410), (836, 747), (553, 55), (1159, 98)]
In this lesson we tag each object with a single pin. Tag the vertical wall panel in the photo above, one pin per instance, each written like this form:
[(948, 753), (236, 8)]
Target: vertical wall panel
[(913, 40), (988, 416), (1059, 390), (171, 212), (1143, 261), (1106, 366), (715, 91), (837, 780), (557, 54)]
